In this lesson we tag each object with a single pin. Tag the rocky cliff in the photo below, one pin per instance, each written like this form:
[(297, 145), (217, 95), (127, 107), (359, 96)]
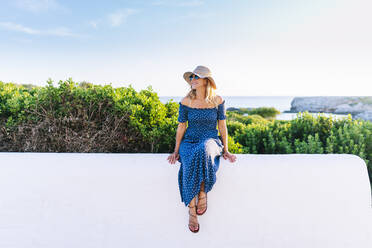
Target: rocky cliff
[(357, 106)]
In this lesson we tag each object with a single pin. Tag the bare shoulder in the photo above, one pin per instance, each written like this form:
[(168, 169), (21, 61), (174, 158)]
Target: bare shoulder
[(220, 99), (185, 101)]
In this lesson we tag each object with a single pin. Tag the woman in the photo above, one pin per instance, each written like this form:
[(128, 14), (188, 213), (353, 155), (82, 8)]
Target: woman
[(198, 148)]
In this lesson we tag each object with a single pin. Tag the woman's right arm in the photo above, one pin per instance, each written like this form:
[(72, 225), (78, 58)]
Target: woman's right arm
[(181, 129), (182, 123)]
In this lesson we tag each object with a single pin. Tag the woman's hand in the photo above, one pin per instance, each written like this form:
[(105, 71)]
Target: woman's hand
[(173, 157), (228, 155)]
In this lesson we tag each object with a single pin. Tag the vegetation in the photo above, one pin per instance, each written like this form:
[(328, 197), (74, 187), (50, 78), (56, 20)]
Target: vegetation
[(92, 118)]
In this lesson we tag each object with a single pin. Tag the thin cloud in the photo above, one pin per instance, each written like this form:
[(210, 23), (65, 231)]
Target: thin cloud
[(17, 27), (93, 23), (38, 5), (120, 16), (59, 31)]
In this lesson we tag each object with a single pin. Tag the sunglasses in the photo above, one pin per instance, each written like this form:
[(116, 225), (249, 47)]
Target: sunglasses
[(194, 76)]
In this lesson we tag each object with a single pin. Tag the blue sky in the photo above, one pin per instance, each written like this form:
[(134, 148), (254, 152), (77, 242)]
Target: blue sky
[(252, 47)]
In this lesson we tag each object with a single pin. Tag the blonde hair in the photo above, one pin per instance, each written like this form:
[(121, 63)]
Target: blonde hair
[(210, 93)]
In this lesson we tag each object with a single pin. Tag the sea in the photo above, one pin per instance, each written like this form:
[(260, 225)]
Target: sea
[(281, 103)]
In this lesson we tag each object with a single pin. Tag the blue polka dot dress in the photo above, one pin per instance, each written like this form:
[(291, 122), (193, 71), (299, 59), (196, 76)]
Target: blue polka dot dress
[(200, 149)]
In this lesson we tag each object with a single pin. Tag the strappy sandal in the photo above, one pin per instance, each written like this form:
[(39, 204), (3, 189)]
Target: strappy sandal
[(197, 230), (204, 204)]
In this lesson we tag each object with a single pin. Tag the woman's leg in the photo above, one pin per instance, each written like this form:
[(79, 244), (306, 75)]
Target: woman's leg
[(202, 199), (193, 219)]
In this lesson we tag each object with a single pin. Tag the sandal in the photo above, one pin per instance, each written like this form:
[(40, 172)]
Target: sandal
[(202, 205), (197, 230)]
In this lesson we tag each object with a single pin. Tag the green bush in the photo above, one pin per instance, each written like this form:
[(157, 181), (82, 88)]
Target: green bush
[(233, 116), (265, 112), (85, 118), (269, 113)]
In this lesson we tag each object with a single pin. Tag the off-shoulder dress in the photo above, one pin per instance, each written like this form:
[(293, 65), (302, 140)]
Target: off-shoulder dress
[(200, 149)]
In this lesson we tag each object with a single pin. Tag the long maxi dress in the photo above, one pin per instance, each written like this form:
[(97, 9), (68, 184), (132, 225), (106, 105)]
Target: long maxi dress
[(200, 149)]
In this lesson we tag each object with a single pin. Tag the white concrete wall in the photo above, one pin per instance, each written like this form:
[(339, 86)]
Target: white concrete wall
[(66, 200)]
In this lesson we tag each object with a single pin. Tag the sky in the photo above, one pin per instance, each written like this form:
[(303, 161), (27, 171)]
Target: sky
[(253, 48)]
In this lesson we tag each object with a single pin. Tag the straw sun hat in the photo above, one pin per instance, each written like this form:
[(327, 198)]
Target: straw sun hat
[(202, 72)]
